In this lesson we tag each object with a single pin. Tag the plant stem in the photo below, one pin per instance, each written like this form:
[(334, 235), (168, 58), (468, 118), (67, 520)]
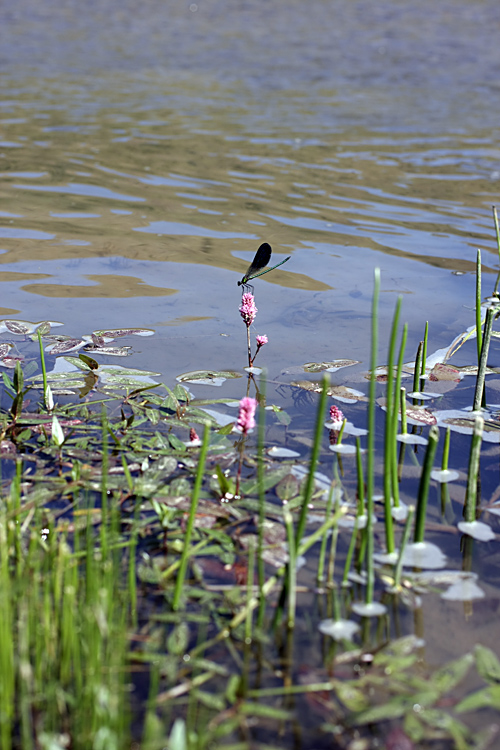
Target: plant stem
[(473, 474), (423, 488), (370, 459), (483, 359)]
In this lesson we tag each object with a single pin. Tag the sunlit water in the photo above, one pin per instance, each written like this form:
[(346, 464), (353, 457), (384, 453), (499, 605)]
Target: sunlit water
[(147, 150)]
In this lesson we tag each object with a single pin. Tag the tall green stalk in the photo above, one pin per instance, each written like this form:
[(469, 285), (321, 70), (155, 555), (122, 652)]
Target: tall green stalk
[(390, 435), (370, 459), (308, 491), (473, 474), (479, 333), (423, 488)]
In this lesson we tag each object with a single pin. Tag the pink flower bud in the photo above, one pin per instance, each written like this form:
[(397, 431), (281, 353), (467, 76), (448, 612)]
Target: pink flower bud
[(261, 340), (248, 310), (337, 417), (246, 416)]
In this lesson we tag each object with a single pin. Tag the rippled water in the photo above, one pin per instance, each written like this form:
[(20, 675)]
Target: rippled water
[(146, 150), (145, 153)]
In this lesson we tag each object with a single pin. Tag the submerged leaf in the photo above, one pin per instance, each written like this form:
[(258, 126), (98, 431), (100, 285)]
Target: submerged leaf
[(337, 364)]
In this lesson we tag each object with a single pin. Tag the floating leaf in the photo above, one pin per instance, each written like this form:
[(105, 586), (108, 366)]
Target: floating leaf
[(420, 416), (4, 349), (207, 377), (110, 351), (337, 364), (114, 333), (17, 327), (65, 346), (445, 372), (340, 392)]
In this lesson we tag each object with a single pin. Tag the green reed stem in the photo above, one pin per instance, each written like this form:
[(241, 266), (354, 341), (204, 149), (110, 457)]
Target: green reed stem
[(44, 369), (497, 232), (473, 475), (404, 423), (404, 541), (446, 450), (250, 583), (320, 574), (479, 396), (291, 568), (104, 484), (423, 488), (424, 351), (301, 524), (390, 435), (192, 512), (261, 436), (418, 367), (370, 459), (479, 333), (395, 417)]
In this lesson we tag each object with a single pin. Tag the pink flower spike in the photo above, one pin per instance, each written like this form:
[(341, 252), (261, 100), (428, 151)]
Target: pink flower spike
[(261, 340), (246, 416), (337, 417), (193, 435), (248, 310)]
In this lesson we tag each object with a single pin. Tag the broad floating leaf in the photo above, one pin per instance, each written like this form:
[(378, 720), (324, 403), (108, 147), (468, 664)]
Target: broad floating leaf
[(70, 345), (115, 333), (110, 351), (340, 392), (207, 377), (420, 416), (337, 364), (441, 371), (23, 327), (463, 421)]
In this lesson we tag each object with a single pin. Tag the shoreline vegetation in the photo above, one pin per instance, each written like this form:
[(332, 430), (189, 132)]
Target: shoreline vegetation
[(165, 590)]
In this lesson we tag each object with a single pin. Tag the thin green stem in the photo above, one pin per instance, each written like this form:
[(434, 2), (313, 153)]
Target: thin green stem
[(423, 488), (479, 333), (473, 474), (483, 359), (390, 435), (44, 369), (308, 491), (370, 459)]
